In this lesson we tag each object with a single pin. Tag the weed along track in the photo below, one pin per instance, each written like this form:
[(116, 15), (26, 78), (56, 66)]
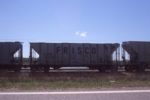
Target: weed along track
[(71, 81)]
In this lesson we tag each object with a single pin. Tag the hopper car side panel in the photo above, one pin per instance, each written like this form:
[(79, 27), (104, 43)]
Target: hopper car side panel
[(65, 54), (74, 54), (8, 60), (58, 54), (139, 55), (50, 57), (86, 54), (94, 55)]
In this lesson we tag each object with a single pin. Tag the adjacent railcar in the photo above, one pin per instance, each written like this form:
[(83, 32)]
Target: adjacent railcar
[(139, 55), (56, 55), (11, 55)]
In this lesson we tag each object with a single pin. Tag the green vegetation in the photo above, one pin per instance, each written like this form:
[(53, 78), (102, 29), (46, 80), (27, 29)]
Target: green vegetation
[(75, 81), (26, 61)]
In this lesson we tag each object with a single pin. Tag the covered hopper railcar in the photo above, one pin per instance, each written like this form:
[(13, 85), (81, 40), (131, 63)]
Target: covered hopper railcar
[(56, 55), (11, 55), (139, 55)]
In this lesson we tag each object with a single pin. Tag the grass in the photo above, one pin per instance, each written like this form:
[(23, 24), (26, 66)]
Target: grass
[(75, 81)]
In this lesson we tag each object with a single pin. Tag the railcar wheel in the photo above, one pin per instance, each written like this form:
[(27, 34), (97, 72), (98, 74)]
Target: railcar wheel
[(33, 69), (17, 69), (46, 69), (56, 67), (101, 69), (140, 69), (128, 69), (114, 69)]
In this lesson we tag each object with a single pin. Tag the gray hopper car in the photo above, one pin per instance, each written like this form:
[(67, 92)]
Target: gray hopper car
[(139, 53), (56, 55), (10, 55)]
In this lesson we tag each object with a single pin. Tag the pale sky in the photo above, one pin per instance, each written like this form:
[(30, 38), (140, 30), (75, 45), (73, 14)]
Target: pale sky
[(88, 21)]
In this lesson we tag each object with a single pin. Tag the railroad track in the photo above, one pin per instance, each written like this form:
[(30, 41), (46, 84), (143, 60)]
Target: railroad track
[(69, 69)]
